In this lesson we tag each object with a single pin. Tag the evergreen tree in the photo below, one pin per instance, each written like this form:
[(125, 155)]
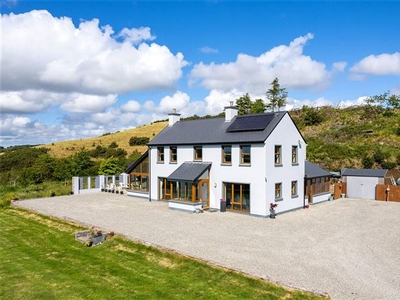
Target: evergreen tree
[(276, 95), (244, 104)]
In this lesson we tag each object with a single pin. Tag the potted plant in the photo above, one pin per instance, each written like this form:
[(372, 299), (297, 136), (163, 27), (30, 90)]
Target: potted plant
[(272, 212)]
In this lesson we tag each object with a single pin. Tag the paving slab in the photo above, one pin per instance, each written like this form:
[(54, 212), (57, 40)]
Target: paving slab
[(347, 248)]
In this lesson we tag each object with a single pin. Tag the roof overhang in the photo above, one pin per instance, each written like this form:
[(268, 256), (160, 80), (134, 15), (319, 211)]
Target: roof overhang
[(189, 171)]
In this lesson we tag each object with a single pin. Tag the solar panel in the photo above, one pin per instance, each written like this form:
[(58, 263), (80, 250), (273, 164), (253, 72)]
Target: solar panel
[(250, 123)]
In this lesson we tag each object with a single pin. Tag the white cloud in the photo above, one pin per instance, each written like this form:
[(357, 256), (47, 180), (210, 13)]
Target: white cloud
[(86, 59), (28, 101), (217, 100), (253, 74), (207, 49), (383, 64), (136, 36), (353, 102), (106, 118), (131, 106), (178, 101), (81, 103)]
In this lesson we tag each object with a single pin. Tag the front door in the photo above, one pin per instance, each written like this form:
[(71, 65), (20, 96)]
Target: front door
[(204, 192)]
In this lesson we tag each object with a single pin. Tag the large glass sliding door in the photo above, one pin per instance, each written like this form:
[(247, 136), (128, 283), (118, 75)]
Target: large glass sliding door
[(237, 196)]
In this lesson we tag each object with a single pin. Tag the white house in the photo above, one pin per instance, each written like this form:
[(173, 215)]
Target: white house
[(249, 161)]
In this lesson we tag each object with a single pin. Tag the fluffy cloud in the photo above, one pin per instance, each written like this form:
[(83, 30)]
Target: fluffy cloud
[(177, 101), (136, 36), (383, 64), (85, 59), (131, 106), (253, 74), (81, 103)]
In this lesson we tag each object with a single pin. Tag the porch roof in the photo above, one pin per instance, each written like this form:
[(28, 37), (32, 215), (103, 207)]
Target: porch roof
[(189, 171)]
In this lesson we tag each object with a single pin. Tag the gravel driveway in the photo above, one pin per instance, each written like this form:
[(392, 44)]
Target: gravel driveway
[(347, 248)]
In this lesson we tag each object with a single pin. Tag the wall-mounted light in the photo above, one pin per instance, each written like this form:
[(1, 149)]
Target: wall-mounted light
[(215, 184)]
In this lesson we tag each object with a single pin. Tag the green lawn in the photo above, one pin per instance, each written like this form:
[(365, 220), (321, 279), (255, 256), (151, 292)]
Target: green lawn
[(40, 259)]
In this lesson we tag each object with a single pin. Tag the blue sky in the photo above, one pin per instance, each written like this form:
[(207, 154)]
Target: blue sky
[(77, 69)]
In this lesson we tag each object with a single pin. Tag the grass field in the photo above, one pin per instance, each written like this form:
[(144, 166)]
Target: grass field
[(40, 259)]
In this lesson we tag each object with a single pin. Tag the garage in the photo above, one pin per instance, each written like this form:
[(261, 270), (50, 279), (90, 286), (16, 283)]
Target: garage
[(361, 183)]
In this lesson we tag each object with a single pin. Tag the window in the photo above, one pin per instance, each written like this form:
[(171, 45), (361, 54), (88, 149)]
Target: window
[(160, 154), (245, 157), (226, 154), (237, 196), (294, 188), (173, 154), (278, 191), (294, 155), (198, 152), (278, 152), (139, 177)]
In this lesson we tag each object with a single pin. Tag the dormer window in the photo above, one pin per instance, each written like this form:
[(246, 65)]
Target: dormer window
[(198, 152)]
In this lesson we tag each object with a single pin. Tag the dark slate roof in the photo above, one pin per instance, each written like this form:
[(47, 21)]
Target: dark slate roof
[(314, 171), (133, 165), (364, 172), (189, 171), (214, 130)]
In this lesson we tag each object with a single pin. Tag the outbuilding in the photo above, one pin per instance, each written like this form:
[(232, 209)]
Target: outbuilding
[(361, 183)]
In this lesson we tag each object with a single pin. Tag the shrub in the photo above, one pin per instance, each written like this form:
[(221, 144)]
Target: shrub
[(379, 156), (388, 165), (138, 141), (367, 162)]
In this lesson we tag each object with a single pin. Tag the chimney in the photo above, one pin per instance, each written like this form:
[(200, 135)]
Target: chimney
[(173, 117), (231, 111)]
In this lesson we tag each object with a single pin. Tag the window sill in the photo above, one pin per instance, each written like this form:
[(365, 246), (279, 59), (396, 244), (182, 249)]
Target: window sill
[(160, 162), (295, 196), (295, 164), (244, 165), (226, 164), (278, 199), (278, 165), (173, 162)]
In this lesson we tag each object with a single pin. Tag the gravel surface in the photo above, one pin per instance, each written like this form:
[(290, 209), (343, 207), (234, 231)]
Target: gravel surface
[(347, 248)]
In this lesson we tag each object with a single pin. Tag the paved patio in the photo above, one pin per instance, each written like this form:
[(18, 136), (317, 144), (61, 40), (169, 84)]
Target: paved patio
[(347, 248)]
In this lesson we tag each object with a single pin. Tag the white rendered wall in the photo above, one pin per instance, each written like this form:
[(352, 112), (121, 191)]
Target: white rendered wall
[(261, 174), (286, 135)]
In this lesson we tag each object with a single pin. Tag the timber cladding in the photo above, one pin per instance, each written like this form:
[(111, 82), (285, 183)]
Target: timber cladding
[(383, 195), (339, 189)]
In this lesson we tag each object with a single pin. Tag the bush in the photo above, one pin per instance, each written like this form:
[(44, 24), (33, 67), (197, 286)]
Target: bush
[(388, 165), (379, 156), (367, 162), (138, 141)]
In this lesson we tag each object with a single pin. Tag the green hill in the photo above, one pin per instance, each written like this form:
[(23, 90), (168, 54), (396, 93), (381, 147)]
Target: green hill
[(336, 138)]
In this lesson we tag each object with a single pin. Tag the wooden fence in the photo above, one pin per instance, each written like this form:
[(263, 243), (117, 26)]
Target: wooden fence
[(339, 189), (383, 194)]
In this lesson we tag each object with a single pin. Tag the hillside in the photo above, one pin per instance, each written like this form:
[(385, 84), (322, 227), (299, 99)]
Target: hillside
[(67, 148), (336, 138)]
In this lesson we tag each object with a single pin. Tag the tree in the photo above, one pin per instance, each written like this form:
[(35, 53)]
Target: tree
[(82, 163), (244, 104), (258, 107), (110, 166), (276, 96)]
